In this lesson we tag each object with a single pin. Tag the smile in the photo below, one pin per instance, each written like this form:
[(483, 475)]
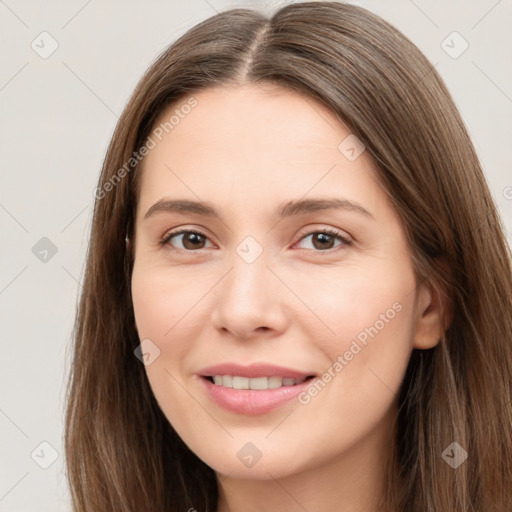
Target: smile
[(257, 383), (261, 398)]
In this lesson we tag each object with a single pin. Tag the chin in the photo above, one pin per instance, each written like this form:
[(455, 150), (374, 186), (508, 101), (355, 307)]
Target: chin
[(255, 461)]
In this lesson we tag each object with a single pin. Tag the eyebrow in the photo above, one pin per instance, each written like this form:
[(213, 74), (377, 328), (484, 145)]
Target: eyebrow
[(289, 209)]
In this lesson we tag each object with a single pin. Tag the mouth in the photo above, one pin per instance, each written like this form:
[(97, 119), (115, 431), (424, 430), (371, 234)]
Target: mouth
[(257, 388), (252, 396), (238, 382)]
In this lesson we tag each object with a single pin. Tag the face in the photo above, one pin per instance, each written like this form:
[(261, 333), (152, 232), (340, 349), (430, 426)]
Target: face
[(262, 276)]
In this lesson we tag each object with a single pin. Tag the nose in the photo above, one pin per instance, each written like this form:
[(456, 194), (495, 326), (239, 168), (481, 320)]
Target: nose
[(249, 301)]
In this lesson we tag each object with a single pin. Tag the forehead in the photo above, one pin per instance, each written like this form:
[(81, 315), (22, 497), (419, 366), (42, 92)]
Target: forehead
[(252, 139), (253, 114)]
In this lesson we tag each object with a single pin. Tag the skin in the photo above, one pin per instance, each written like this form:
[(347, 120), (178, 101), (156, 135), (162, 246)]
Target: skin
[(300, 304)]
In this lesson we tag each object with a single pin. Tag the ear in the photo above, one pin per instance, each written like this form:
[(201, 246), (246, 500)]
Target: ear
[(434, 315)]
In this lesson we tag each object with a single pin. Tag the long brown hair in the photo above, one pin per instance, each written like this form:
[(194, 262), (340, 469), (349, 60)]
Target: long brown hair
[(122, 453)]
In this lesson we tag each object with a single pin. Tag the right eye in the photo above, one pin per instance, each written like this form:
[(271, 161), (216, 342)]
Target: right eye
[(190, 240)]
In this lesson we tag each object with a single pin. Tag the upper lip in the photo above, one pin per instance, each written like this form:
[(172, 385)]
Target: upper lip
[(253, 371)]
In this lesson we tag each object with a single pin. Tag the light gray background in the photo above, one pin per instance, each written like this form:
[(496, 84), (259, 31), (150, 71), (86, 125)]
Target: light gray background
[(57, 115)]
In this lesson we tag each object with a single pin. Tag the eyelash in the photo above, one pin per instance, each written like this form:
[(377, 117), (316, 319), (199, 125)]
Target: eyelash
[(345, 242)]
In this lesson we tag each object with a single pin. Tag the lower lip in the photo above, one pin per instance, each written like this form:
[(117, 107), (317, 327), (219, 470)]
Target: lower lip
[(253, 402)]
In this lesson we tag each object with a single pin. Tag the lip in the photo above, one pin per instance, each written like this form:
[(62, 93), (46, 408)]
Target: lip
[(253, 370), (248, 401), (252, 402)]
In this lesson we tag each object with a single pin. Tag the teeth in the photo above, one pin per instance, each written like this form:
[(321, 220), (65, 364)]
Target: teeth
[(275, 382), (239, 382), (256, 383)]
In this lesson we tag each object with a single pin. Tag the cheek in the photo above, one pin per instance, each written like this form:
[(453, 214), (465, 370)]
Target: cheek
[(160, 311), (161, 303), (162, 299), (169, 307), (355, 393), (367, 324)]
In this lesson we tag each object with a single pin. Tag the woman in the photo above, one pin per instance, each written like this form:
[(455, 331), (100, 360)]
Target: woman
[(223, 363)]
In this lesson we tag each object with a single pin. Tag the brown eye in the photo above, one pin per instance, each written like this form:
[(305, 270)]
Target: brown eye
[(191, 240), (326, 239)]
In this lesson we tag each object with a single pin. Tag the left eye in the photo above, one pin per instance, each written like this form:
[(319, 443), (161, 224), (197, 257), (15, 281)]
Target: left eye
[(191, 240), (325, 239)]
